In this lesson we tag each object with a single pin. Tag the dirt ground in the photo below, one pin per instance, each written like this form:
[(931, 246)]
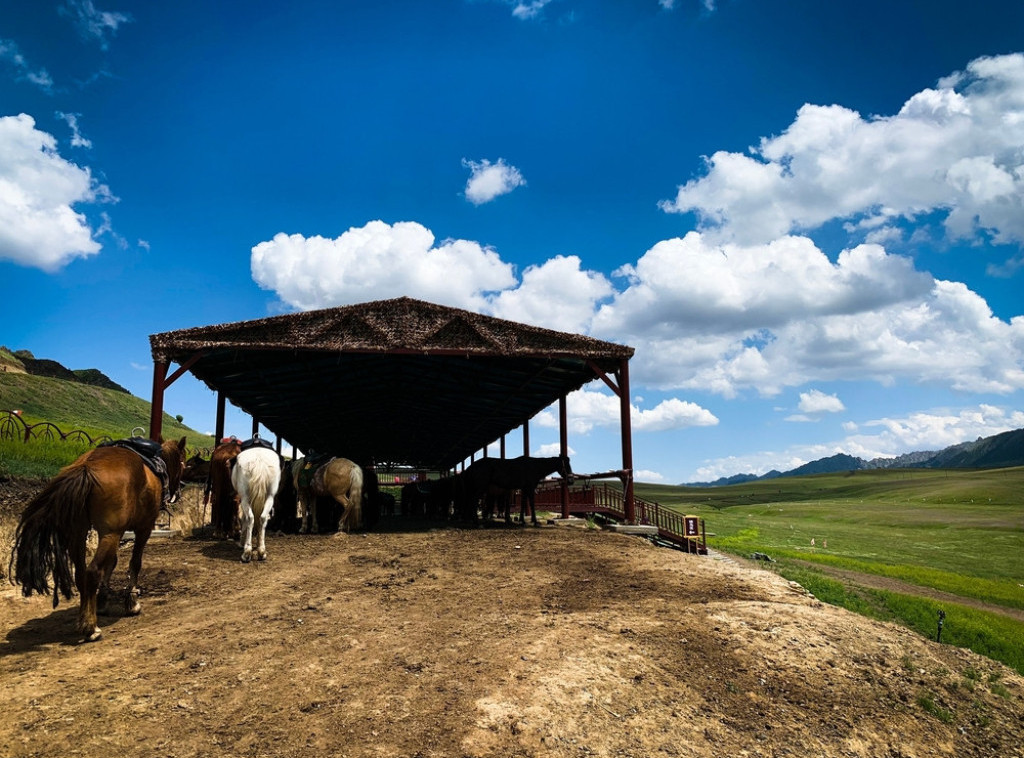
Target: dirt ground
[(551, 641)]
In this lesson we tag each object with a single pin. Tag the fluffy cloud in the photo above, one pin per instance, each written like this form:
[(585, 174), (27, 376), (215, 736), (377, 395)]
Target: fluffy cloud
[(954, 149), (729, 318), (931, 430), (690, 287), (489, 180), (557, 294), (816, 401), (387, 260), (587, 409), (38, 191)]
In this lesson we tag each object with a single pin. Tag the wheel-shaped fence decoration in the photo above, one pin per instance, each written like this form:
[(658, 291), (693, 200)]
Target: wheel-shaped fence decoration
[(12, 427), (78, 436), (44, 430)]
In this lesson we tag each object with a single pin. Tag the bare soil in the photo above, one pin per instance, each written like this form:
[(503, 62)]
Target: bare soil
[(551, 641)]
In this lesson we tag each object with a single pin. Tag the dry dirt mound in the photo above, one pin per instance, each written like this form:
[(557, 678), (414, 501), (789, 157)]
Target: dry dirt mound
[(558, 641)]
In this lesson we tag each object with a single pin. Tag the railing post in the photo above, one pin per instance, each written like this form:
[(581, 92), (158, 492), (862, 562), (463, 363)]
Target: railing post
[(627, 440), (563, 444)]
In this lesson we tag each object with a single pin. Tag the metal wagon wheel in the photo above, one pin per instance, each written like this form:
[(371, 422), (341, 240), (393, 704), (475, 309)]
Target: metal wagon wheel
[(78, 436), (44, 430), (12, 426)]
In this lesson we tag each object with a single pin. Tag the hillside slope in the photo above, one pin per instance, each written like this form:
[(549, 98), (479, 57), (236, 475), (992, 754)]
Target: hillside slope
[(72, 405)]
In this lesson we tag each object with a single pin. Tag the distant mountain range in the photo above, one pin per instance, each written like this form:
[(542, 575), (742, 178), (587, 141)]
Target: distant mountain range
[(22, 361), (998, 451)]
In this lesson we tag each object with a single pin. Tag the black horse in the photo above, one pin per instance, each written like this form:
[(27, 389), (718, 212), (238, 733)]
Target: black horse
[(509, 474)]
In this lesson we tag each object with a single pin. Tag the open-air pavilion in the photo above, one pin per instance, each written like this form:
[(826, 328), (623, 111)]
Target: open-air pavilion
[(395, 382)]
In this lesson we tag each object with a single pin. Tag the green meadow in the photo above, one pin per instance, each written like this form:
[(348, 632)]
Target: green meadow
[(958, 531)]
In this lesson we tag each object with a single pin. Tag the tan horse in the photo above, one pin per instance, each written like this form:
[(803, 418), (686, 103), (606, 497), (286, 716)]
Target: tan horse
[(111, 490), (339, 478)]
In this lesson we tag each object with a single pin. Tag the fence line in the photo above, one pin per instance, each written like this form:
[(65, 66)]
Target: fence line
[(13, 426), (608, 500)]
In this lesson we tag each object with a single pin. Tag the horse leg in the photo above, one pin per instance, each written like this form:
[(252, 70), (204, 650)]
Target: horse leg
[(347, 509), (103, 598), (105, 552), (245, 537), (303, 511), (261, 539), (131, 594)]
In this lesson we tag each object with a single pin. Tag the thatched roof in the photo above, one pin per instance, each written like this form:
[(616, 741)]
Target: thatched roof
[(398, 381)]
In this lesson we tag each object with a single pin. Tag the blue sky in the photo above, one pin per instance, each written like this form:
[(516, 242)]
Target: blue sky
[(806, 217)]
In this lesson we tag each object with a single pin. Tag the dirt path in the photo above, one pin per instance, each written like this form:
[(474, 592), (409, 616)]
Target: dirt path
[(874, 581), (557, 641)]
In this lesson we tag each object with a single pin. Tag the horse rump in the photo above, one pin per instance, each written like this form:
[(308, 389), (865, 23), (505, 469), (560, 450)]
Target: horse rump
[(54, 523)]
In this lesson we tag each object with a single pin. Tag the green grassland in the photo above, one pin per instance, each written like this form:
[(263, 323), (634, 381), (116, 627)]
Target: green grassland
[(71, 406), (958, 531)]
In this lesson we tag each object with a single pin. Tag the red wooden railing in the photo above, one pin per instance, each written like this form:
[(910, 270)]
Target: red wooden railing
[(607, 500)]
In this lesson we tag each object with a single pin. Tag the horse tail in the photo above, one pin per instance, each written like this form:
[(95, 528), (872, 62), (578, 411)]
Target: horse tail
[(259, 476), (355, 495), (53, 525)]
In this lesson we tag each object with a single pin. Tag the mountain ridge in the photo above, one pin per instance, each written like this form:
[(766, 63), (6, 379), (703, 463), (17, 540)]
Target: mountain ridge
[(998, 451)]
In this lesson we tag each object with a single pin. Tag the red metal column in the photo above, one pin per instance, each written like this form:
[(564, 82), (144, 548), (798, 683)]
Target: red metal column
[(221, 400), (563, 447), (156, 410), (627, 441)]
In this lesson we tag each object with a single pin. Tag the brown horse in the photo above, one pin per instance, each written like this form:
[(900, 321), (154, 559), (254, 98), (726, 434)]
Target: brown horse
[(339, 478), (489, 477), (220, 492), (111, 490)]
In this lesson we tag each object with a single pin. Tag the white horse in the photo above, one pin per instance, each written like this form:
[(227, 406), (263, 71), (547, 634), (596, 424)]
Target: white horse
[(256, 476)]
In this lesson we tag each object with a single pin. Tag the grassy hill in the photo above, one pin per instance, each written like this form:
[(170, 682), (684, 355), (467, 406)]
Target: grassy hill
[(71, 405), (953, 531)]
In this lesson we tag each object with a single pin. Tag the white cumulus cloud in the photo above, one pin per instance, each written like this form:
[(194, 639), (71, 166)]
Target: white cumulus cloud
[(957, 148), (588, 408), (728, 318), (816, 401), (490, 180), (39, 190), (378, 260), (556, 294)]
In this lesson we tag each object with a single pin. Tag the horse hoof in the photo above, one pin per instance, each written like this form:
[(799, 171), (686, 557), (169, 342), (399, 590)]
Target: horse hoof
[(262, 556), (93, 635), (246, 557)]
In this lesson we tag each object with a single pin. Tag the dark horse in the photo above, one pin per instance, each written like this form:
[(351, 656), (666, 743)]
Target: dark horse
[(489, 476), (111, 490)]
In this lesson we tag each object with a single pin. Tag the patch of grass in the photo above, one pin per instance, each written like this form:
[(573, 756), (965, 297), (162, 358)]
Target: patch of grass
[(38, 459), (927, 702)]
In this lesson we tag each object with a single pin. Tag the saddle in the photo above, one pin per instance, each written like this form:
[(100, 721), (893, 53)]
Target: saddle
[(256, 441), (316, 480), (149, 452)]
